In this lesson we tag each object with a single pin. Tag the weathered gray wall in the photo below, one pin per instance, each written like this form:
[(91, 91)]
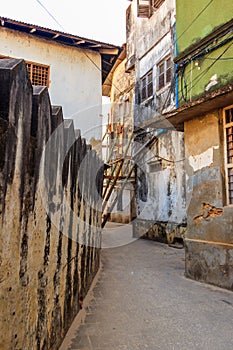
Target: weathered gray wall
[(50, 215), (209, 236), (160, 191), (149, 40), (160, 194)]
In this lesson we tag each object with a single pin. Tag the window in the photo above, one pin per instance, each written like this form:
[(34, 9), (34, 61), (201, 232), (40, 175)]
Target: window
[(146, 86), (147, 7), (38, 73), (144, 8), (164, 72), (228, 136)]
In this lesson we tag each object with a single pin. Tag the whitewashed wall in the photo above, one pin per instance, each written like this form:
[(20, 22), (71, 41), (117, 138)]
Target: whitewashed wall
[(75, 82)]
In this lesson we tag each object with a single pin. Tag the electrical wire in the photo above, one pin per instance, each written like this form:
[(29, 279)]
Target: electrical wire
[(200, 76), (184, 90), (220, 59), (116, 87), (90, 59), (194, 20), (49, 13)]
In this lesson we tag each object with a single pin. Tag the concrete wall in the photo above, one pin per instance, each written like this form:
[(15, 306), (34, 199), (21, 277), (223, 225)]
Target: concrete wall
[(161, 206), (50, 215), (209, 236), (75, 82), (149, 40), (160, 193)]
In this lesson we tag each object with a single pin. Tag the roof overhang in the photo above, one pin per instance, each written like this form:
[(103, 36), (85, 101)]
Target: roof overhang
[(217, 99), (106, 87), (108, 52)]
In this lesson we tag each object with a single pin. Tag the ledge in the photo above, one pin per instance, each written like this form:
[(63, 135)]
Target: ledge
[(217, 99)]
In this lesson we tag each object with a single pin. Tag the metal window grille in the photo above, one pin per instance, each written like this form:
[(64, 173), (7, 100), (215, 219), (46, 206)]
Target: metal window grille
[(228, 126)]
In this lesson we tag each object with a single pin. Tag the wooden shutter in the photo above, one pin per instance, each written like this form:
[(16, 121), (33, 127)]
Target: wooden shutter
[(144, 8), (157, 3)]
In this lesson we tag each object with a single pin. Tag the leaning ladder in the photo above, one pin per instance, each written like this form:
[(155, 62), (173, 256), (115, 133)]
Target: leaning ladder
[(116, 168)]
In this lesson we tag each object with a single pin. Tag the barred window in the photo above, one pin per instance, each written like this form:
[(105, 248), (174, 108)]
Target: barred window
[(228, 136), (164, 72), (38, 73), (146, 86)]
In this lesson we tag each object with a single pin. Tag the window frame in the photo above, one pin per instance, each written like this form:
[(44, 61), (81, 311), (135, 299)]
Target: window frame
[(167, 72), (34, 65), (228, 165), (146, 85)]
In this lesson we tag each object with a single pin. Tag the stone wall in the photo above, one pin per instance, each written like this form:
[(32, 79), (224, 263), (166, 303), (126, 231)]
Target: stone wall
[(50, 207)]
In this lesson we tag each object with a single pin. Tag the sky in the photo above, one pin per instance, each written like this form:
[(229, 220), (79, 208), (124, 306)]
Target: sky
[(102, 20)]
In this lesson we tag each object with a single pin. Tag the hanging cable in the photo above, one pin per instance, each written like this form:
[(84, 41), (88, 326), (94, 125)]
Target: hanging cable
[(50, 14), (200, 76), (194, 20)]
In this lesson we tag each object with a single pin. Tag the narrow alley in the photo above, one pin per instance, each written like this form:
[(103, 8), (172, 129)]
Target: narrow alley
[(141, 299)]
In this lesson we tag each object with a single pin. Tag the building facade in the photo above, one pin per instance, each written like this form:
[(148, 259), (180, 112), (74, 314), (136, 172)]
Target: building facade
[(158, 147), (73, 69), (205, 114)]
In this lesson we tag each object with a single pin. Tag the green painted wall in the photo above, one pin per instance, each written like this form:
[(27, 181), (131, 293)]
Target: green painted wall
[(193, 23), (198, 73), (191, 30)]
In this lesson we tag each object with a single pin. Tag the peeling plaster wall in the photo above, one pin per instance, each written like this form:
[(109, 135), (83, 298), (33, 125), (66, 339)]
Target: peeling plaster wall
[(209, 236), (148, 32), (148, 42), (50, 215), (161, 193)]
